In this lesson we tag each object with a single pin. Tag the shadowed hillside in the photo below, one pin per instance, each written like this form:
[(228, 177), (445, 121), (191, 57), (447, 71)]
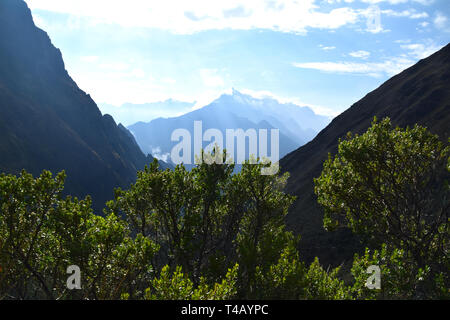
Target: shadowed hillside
[(420, 94), (47, 122)]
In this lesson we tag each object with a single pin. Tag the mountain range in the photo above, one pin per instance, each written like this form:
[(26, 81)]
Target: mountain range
[(420, 94), (48, 122), (130, 113), (297, 125)]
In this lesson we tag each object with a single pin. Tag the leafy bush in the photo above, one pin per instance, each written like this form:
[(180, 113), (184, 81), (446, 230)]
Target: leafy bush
[(390, 185)]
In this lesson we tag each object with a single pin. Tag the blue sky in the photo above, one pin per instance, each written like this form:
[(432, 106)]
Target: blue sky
[(326, 54)]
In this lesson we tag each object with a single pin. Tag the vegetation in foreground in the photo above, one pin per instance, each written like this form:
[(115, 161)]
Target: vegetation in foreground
[(211, 234)]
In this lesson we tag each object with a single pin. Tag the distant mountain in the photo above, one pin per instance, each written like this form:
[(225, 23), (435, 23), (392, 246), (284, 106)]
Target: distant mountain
[(47, 122), (297, 125), (301, 124), (420, 94), (129, 113)]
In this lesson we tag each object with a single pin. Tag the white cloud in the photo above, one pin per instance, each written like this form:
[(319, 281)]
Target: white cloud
[(211, 78), (421, 15), (327, 48), (180, 16), (403, 41), (388, 67), (318, 109), (379, 69), (186, 17), (411, 13), (339, 1), (423, 2), (441, 21), (360, 54), (156, 152), (420, 50)]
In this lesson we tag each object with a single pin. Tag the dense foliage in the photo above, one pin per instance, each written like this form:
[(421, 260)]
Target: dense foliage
[(200, 234), (41, 234), (391, 186), (212, 233)]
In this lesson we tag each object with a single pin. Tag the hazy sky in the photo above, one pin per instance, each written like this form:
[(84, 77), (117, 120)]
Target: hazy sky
[(326, 54)]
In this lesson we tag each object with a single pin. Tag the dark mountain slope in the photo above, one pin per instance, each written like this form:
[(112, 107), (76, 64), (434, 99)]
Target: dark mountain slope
[(420, 94), (47, 122)]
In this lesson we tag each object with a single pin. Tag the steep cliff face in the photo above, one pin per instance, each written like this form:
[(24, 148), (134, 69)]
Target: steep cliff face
[(47, 122), (420, 94)]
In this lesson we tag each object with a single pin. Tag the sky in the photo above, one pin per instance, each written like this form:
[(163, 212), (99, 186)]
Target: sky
[(325, 54)]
